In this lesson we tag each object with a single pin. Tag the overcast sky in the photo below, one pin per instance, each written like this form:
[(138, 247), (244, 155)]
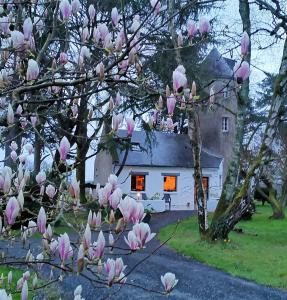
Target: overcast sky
[(267, 59)]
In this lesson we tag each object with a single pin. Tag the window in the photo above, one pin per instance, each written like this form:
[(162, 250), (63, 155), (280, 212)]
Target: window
[(205, 188), (170, 183), (225, 92), (138, 182), (225, 124)]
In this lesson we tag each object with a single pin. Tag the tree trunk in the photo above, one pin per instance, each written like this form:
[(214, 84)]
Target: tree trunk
[(231, 181), (224, 223), (195, 139)]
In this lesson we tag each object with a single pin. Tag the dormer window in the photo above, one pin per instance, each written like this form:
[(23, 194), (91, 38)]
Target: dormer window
[(225, 124)]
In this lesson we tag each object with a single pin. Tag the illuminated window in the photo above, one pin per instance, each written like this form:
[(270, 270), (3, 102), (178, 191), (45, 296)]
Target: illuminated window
[(205, 187), (169, 183), (137, 182), (225, 125)]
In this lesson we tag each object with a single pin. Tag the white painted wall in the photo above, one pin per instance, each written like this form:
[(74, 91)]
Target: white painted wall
[(183, 199)]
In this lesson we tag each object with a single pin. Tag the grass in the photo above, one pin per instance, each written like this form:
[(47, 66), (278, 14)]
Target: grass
[(16, 274), (258, 254)]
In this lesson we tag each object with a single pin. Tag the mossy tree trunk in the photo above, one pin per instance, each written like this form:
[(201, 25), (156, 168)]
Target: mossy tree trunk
[(223, 223)]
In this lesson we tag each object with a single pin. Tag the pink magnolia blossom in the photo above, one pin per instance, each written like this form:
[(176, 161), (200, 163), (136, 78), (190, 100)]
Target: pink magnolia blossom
[(13, 155), (23, 122), (132, 241), (85, 34), (118, 99), (41, 220), (4, 25), (27, 28), (87, 237), (104, 194), (179, 79), (64, 247), (117, 120), (9, 277), (10, 115), (19, 110), (131, 210), (63, 58), (74, 188), (115, 16), (191, 29), (241, 71), (33, 120), (114, 269), (103, 30), (115, 198), (41, 177), (113, 180), (32, 227), (169, 281), (100, 245), (245, 41), (29, 147), (76, 5), (111, 239), (66, 9), (92, 12), (12, 210), (17, 40), (95, 219), (50, 191), (171, 101), (100, 70), (13, 146), (143, 233), (204, 26), (7, 183), (32, 70), (130, 126), (24, 291), (64, 148)]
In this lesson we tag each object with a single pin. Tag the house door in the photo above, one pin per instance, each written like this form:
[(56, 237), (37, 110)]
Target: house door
[(205, 188)]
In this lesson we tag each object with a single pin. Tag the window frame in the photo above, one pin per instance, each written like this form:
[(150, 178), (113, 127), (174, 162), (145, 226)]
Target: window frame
[(176, 182), (144, 182), (225, 124)]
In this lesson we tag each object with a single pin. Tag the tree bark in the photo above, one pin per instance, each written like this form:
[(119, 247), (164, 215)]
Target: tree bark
[(196, 143), (231, 181), (226, 221), (195, 140)]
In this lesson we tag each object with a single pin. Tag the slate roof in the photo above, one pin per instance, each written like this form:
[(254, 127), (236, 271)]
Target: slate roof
[(168, 150), (215, 66)]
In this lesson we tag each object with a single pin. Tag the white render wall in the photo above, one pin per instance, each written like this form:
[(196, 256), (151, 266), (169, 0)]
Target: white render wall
[(183, 198)]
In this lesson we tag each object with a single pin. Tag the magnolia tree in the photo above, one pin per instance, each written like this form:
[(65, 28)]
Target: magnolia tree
[(62, 65)]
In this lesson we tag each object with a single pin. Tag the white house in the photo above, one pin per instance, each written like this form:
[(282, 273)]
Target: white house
[(162, 169)]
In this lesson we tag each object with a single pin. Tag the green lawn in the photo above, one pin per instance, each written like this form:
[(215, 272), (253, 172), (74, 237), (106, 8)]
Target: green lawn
[(17, 273), (258, 254)]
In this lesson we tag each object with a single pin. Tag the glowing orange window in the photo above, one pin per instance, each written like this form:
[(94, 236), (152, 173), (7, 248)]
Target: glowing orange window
[(138, 182), (169, 183)]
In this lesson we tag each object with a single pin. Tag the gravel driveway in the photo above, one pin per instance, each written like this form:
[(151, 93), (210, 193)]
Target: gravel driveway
[(196, 280)]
